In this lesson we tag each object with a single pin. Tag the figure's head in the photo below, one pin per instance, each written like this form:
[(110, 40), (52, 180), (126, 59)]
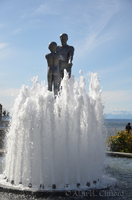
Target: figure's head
[(63, 38), (129, 124), (52, 46)]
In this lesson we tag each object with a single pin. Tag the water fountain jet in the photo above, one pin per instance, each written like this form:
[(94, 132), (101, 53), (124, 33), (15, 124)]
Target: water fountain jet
[(56, 144)]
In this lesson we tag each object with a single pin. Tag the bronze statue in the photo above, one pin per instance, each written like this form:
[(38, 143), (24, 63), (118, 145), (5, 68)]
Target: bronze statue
[(59, 59), (53, 68), (66, 55)]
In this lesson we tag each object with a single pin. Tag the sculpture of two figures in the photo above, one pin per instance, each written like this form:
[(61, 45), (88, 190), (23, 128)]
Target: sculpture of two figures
[(58, 60)]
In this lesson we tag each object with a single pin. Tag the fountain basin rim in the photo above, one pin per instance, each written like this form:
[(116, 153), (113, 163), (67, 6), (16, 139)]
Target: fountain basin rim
[(46, 193), (108, 153), (119, 154)]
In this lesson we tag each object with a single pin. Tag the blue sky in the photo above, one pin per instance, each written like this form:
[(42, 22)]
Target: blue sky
[(99, 30)]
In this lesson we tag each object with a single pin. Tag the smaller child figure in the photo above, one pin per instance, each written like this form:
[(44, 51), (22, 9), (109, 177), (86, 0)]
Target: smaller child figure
[(53, 68)]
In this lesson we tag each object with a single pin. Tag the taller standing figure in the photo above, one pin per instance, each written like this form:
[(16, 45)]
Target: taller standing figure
[(66, 55)]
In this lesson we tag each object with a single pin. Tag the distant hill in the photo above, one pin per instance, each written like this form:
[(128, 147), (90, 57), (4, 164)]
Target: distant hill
[(119, 114)]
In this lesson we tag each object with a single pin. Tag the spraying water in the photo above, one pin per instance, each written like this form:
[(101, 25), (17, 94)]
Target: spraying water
[(56, 141)]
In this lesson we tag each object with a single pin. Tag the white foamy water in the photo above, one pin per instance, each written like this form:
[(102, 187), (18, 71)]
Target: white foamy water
[(56, 141)]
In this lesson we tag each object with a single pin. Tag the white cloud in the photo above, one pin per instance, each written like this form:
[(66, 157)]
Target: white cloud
[(117, 95), (7, 97), (123, 65), (119, 99), (7, 52), (2, 25), (4, 52), (95, 32), (44, 9), (17, 31), (9, 92), (3, 45)]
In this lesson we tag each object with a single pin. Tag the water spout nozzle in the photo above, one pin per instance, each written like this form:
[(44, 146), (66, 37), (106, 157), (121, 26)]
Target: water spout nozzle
[(53, 186), (78, 184), (88, 184), (30, 185), (94, 182), (66, 185), (42, 186)]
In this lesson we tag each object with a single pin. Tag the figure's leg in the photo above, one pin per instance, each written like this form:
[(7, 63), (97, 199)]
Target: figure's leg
[(49, 77), (61, 74), (59, 81), (69, 72), (55, 80)]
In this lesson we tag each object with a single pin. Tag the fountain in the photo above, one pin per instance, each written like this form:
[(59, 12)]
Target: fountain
[(56, 144), (55, 141)]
